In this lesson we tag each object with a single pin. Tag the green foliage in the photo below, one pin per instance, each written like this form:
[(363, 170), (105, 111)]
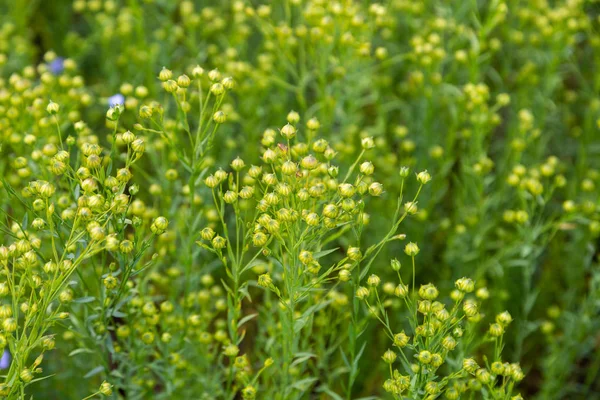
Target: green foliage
[(200, 200)]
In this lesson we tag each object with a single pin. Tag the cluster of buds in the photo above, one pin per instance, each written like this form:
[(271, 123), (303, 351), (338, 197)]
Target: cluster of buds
[(438, 334), (297, 187)]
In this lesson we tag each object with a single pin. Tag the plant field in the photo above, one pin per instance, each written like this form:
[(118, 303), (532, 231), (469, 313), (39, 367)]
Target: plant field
[(300, 199)]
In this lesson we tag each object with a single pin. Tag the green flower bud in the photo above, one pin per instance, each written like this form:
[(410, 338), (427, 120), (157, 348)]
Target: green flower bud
[(411, 249), (470, 365), (362, 292), (165, 74), (288, 131), (424, 357), (373, 280), (423, 177), (389, 357), (401, 339), (52, 108)]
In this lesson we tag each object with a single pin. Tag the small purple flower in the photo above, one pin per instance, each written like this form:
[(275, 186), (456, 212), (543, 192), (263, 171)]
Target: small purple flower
[(116, 99), (57, 66), (5, 360)]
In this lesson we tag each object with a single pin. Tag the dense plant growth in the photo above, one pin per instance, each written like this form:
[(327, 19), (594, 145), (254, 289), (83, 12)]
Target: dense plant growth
[(300, 199)]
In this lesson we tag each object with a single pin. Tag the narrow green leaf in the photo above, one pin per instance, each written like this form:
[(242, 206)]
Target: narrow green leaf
[(94, 371)]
